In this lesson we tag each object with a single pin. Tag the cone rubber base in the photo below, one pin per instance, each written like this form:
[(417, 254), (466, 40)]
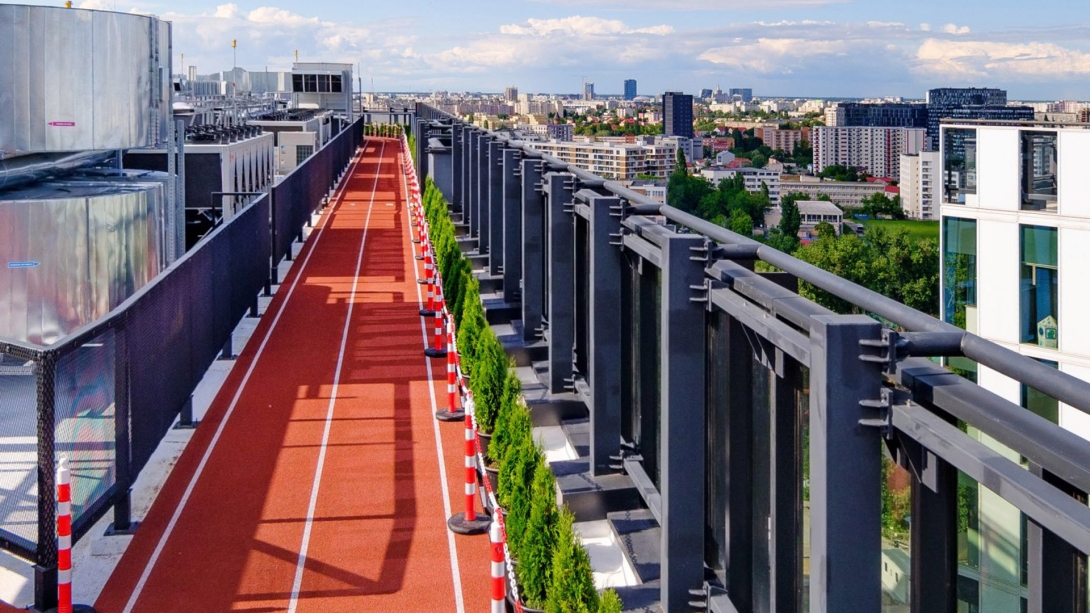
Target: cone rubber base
[(76, 608), (427, 313), (445, 415), (432, 352), (460, 525), (422, 281)]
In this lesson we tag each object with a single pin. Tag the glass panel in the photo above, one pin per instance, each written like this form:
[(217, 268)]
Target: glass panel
[(323, 83), (1039, 287), (959, 162), (896, 536), (1039, 171), (310, 83), (1040, 403), (959, 270), (335, 84), (715, 507), (296, 82)]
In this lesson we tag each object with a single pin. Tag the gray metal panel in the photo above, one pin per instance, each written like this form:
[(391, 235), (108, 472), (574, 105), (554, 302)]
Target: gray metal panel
[(512, 225), (606, 267), (533, 249), (76, 80), (494, 172), (560, 280)]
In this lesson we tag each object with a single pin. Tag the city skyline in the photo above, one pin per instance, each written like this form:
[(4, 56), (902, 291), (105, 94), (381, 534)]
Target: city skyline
[(803, 48)]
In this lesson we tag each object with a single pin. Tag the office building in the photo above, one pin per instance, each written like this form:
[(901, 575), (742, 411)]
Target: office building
[(844, 194), (705, 94), (967, 103), (919, 183), (743, 94), (876, 151), (588, 90), (756, 179), (883, 115), (511, 94), (1015, 246), (630, 89), (677, 109)]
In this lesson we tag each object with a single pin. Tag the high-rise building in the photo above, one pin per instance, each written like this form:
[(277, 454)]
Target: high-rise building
[(884, 115), (877, 151), (744, 94), (511, 94), (629, 89), (588, 90), (677, 111), (962, 103), (705, 94), (1014, 247)]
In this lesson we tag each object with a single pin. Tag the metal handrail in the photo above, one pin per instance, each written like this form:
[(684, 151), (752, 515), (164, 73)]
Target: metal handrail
[(1062, 386)]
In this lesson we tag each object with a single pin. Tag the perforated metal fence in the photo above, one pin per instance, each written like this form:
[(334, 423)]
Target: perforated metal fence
[(106, 394)]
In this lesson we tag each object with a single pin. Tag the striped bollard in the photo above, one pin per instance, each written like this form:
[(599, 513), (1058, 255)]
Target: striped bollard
[(498, 595), (452, 412), (469, 522), (430, 309), (64, 541), (439, 350)]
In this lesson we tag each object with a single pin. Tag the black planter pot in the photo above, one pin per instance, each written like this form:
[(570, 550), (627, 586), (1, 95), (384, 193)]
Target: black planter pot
[(486, 442), (493, 476), (525, 609)]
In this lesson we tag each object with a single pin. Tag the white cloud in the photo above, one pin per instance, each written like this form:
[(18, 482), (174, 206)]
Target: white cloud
[(954, 29), (691, 5), (925, 27), (579, 26), (977, 60)]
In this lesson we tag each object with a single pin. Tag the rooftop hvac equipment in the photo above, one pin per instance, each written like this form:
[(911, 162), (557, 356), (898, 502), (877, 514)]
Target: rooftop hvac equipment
[(71, 250), (80, 80)]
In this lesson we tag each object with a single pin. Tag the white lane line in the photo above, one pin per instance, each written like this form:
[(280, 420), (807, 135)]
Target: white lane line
[(455, 571), (297, 584), (227, 416)]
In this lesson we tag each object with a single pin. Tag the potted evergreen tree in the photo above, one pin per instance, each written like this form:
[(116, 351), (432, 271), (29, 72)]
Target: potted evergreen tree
[(539, 539), (516, 476), (571, 584), (610, 602)]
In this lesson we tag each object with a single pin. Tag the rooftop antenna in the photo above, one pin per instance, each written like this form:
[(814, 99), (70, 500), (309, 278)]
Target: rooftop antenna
[(296, 56)]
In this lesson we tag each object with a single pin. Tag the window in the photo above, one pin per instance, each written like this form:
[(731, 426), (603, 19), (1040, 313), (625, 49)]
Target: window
[(296, 82), (959, 163), (335, 85), (310, 82), (1040, 403), (1039, 171), (959, 272), (302, 152), (1039, 285), (323, 83)]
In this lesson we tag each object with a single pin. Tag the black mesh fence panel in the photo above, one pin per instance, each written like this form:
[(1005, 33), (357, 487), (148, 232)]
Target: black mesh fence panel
[(85, 417), (18, 447)]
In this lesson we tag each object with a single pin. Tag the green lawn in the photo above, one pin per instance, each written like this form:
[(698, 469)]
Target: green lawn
[(916, 229)]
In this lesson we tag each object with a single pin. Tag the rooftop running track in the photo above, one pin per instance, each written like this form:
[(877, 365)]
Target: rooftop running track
[(319, 480)]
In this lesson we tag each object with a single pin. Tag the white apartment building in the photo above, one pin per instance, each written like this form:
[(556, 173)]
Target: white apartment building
[(1015, 250), (755, 179), (619, 161), (919, 183), (875, 150)]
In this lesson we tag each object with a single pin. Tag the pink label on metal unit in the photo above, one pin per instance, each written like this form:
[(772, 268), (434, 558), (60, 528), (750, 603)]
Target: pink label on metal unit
[(63, 124)]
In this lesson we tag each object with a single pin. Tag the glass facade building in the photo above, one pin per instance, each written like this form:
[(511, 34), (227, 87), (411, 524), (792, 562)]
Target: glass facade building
[(1039, 286), (677, 111)]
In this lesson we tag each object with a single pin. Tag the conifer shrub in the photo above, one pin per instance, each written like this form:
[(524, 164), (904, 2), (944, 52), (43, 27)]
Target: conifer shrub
[(571, 584), (487, 382), (510, 405), (516, 476), (539, 539), (609, 602)]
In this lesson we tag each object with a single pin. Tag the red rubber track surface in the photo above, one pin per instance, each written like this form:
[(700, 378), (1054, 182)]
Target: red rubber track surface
[(379, 535)]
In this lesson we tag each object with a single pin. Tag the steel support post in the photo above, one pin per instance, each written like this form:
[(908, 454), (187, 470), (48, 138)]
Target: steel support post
[(456, 165), (423, 169), (512, 225), (484, 187), (682, 358), (606, 269), (934, 563), (785, 546), (472, 194), (845, 468), (533, 248), (738, 456), (560, 279), (122, 453), (495, 207), (1057, 570)]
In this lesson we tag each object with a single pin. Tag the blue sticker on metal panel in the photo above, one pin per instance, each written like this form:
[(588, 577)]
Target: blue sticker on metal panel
[(23, 264)]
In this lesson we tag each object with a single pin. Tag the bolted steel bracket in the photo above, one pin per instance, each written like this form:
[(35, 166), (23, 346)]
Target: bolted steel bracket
[(878, 412), (887, 351)]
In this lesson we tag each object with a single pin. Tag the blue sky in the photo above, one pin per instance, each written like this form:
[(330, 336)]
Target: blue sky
[(778, 47)]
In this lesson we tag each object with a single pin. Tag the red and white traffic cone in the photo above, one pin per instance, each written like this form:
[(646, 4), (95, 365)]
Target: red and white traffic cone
[(470, 522), (64, 541), (495, 534), (452, 413), (440, 349), (429, 310)]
